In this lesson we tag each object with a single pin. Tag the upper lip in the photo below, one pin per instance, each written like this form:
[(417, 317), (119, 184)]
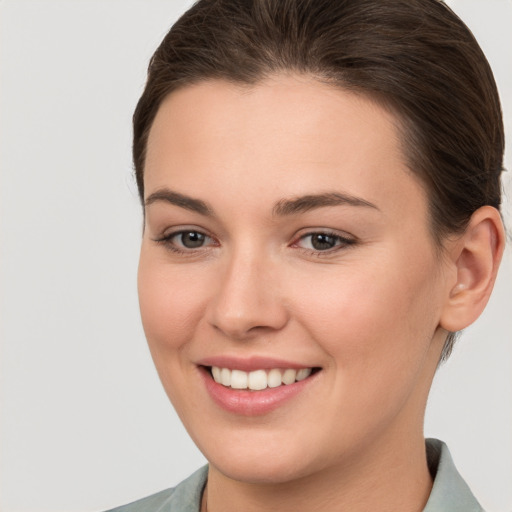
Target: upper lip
[(250, 363)]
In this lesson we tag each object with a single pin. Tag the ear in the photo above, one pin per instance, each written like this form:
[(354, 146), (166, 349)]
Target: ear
[(476, 257)]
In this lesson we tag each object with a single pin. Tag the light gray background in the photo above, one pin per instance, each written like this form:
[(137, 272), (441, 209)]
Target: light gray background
[(85, 424)]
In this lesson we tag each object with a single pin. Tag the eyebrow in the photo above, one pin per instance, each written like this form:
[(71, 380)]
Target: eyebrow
[(181, 200), (282, 208), (310, 202)]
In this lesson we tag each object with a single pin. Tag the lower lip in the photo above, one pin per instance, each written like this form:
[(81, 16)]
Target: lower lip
[(252, 403)]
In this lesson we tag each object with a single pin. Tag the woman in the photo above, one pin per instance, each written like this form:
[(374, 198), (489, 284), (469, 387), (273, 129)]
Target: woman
[(320, 184)]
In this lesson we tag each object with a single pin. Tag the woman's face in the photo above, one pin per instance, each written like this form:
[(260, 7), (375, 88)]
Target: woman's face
[(283, 231)]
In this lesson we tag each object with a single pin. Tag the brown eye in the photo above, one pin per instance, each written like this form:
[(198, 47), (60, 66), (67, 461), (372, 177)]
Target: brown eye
[(191, 239), (322, 242), (186, 241)]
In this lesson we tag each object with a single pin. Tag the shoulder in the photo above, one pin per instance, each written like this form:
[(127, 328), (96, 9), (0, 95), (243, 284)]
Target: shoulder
[(153, 503), (450, 493), (185, 497)]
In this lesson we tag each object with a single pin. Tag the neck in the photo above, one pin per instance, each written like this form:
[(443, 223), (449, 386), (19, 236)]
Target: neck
[(392, 479)]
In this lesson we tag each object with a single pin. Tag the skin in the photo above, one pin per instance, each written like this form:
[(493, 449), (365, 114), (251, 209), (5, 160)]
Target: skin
[(372, 314)]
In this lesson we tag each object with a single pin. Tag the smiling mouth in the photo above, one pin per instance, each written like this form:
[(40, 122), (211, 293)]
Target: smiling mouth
[(259, 380)]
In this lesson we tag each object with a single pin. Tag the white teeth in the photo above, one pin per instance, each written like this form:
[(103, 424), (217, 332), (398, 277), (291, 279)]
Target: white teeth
[(289, 376), (216, 373), (258, 379), (274, 378), (304, 373), (238, 379), (225, 377)]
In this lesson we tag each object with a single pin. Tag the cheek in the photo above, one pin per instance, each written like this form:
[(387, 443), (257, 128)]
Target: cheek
[(372, 319), (171, 303), (375, 327)]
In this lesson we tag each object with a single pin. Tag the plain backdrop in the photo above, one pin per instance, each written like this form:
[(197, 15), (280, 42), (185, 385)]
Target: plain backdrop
[(85, 424)]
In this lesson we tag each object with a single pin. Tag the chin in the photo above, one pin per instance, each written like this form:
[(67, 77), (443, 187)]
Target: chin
[(271, 470), (261, 461)]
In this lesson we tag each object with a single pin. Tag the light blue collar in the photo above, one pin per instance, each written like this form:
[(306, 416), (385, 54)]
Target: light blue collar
[(450, 493)]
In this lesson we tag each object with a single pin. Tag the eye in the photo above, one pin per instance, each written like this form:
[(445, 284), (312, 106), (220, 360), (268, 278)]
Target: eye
[(323, 241), (186, 240), (190, 239)]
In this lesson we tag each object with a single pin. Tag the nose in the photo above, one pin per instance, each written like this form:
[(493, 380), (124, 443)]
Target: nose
[(248, 299)]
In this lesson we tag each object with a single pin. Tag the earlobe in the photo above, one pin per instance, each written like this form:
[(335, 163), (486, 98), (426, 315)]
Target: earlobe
[(476, 256)]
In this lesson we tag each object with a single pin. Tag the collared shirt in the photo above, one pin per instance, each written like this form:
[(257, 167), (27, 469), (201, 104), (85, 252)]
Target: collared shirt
[(449, 493)]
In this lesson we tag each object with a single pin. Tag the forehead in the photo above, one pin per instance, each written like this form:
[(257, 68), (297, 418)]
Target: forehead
[(288, 135), (313, 114)]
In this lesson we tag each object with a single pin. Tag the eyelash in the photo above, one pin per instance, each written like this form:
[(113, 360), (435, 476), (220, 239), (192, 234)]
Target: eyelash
[(342, 242), (167, 241)]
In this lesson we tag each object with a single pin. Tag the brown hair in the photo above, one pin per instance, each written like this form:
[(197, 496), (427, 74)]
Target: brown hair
[(413, 56)]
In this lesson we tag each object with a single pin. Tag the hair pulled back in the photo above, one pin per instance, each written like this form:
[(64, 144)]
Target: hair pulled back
[(415, 57)]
